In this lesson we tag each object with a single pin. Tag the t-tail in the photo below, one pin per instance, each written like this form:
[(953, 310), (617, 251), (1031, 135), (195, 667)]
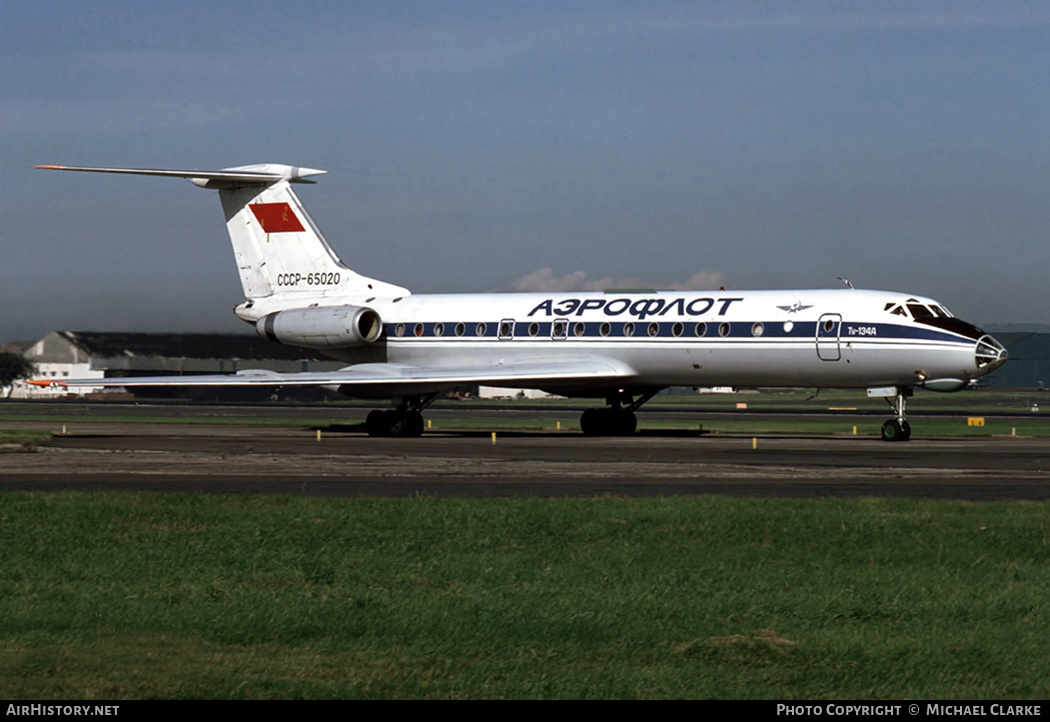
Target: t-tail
[(282, 257)]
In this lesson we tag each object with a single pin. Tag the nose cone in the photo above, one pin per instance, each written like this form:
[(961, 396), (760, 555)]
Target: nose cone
[(989, 355)]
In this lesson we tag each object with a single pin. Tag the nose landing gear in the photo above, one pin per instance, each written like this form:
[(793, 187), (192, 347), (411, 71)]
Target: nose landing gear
[(898, 428)]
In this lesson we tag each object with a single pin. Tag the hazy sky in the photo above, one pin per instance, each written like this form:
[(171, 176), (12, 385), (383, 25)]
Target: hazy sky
[(476, 146)]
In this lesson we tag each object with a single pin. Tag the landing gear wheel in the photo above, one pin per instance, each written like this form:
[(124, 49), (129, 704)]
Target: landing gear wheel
[(398, 423), (405, 424), (375, 423), (610, 421), (896, 430), (624, 422), (591, 422)]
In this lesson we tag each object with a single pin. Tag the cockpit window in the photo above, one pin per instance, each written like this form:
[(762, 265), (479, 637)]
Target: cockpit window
[(919, 312), (914, 308)]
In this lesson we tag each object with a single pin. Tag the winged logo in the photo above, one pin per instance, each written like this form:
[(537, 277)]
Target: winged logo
[(795, 307)]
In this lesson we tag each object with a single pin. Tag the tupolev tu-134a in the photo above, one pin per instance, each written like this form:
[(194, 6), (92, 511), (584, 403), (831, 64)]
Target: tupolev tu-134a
[(622, 347)]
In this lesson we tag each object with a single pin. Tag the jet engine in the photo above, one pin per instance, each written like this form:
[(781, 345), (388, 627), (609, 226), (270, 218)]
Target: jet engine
[(322, 327)]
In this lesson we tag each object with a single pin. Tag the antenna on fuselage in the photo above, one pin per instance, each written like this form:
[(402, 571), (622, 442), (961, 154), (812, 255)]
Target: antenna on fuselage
[(846, 281)]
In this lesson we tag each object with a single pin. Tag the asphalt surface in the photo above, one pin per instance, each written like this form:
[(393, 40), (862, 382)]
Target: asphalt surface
[(345, 462)]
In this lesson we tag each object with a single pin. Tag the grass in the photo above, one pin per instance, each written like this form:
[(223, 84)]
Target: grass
[(109, 595), (16, 436)]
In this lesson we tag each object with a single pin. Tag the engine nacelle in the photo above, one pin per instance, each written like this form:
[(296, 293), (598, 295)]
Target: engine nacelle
[(322, 327)]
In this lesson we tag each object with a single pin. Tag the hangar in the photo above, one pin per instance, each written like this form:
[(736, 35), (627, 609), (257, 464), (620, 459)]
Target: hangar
[(1029, 364)]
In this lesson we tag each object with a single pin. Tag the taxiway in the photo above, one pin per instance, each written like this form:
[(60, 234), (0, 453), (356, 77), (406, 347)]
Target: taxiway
[(291, 460)]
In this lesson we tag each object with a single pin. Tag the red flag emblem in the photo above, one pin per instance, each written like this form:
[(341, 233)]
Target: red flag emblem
[(276, 217)]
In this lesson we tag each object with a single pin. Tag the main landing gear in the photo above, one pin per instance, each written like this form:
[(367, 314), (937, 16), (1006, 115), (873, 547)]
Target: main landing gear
[(897, 428), (402, 422), (615, 419)]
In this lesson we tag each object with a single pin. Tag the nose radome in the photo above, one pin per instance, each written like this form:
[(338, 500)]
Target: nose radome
[(989, 354)]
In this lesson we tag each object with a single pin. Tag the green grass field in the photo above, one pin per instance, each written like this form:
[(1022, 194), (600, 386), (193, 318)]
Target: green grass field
[(107, 595), (113, 596), (8, 436)]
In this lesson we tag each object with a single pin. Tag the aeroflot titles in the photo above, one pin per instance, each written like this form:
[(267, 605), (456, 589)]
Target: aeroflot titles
[(641, 308)]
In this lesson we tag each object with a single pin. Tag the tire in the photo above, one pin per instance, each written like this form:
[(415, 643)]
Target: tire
[(893, 430), (405, 424), (591, 422), (376, 424), (415, 423), (610, 421), (624, 423)]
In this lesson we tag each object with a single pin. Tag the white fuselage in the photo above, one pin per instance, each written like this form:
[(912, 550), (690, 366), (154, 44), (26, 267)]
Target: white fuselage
[(826, 338)]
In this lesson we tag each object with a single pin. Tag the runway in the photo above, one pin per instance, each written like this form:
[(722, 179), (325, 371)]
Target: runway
[(291, 460)]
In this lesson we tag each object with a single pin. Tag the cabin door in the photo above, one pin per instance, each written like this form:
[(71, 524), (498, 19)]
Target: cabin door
[(828, 328)]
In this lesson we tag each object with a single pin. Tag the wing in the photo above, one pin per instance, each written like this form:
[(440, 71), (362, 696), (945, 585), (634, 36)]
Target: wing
[(374, 379)]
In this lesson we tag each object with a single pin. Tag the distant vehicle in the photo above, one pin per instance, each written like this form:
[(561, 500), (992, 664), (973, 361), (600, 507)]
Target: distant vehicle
[(622, 347)]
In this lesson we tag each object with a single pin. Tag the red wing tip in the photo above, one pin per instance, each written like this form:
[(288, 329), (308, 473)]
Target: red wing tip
[(50, 167), (45, 382)]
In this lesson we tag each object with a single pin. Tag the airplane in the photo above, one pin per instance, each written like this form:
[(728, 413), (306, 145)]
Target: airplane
[(620, 346)]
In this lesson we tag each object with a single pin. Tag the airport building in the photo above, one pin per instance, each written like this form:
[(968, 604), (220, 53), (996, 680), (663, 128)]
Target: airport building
[(1029, 364)]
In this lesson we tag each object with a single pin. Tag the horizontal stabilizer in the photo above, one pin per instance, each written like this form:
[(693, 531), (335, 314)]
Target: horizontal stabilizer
[(283, 259), (262, 174)]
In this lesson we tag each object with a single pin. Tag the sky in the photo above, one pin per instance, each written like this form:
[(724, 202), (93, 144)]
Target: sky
[(501, 146)]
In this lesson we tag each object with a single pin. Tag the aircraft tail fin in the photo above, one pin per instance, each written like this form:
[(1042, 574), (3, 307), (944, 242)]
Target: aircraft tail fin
[(281, 254)]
